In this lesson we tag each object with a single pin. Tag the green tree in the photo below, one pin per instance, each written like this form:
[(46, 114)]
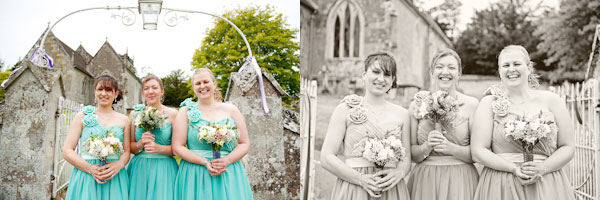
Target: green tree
[(567, 37), (3, 76), (223, 50), (503, 23), (446, 15), (176, 88)]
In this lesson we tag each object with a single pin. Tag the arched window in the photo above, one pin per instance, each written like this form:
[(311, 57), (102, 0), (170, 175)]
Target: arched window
[(345, 30)]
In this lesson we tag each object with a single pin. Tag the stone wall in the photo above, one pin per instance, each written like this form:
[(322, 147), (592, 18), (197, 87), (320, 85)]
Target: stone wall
[(475, 85), (272, 164), (27, 139)]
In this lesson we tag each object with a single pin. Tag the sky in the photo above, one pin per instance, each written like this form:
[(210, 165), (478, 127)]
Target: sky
[(156, 51)]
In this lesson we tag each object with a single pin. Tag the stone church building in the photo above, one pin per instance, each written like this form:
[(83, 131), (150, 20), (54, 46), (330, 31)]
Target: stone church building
[(79, 68), (337, 35)]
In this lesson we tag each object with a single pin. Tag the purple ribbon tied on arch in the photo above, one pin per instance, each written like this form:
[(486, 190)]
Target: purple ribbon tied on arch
[(252, 61), (40, 58)]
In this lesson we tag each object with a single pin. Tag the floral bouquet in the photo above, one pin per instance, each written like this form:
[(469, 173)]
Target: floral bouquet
[(217, 135), (528, 133), (381, 151), (102, 147), (439, 107), (149, 119)]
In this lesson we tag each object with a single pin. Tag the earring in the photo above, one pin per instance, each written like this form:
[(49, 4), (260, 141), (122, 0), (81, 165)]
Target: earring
[(533, 81)]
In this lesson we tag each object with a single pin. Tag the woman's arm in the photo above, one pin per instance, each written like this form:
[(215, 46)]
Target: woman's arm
[(565, 141), (481, 139), (333, 140), (124, 158), (71, 141), (417, 152), (406, 140), (135, 146), (179, 139), (243, 141)]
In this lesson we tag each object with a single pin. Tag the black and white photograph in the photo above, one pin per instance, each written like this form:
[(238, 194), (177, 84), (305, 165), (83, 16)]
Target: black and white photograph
[(450, 99)]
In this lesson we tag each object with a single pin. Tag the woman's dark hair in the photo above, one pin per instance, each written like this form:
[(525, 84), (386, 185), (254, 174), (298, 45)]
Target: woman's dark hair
[(107, 82), (387, 63)]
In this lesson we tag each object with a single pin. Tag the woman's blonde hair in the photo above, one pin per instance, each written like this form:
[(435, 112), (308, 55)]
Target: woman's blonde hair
[(217, 93)]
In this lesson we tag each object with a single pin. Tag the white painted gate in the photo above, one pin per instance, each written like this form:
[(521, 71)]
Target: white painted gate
[(62, 169), (308, 122), (583, 104)]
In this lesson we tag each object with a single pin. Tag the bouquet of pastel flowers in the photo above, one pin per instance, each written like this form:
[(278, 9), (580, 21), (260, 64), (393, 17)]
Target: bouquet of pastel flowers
[(217, 135), (149, 119), (439, 107), (102, 147), (381, 151), (528, 132)]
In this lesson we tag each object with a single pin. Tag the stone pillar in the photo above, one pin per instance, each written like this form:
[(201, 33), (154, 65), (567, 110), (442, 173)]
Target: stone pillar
[(270, 153), (28, 133)]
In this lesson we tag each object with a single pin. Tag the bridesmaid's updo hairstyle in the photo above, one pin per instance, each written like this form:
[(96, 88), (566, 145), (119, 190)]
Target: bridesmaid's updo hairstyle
[(108, 82), (533, 78), (443, 53), (387, 63), (217, 93)]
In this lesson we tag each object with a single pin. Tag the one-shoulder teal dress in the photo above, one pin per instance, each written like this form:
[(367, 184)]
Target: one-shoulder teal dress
[(152, 175), (194, 182), (83, 185)]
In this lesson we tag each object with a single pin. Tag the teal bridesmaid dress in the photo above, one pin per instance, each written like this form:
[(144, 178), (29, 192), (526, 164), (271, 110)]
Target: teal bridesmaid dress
[(82, 185), (194, 182), (152, 175)]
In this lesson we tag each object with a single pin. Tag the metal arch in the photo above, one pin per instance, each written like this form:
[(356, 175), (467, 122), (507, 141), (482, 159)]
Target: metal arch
[(81, 10), (220, 17), (129, 8)]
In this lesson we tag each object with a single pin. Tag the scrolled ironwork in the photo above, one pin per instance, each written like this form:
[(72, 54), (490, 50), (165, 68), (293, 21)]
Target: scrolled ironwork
[(171, 18), (128, 17)]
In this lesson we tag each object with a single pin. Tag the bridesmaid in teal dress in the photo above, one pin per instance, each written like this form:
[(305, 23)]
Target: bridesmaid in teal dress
[(152, 170), (88, 179), (200, 176)]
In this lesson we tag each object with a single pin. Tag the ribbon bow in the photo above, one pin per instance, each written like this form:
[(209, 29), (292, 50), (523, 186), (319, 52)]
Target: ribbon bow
[(252, 61)]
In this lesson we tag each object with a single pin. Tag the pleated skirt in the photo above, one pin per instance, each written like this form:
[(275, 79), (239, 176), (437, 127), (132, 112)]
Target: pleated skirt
[(152, 178), (83, 186), (343, 190), (194, 182), (443, 182), (500, 185)]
